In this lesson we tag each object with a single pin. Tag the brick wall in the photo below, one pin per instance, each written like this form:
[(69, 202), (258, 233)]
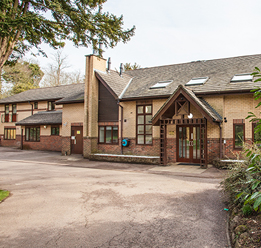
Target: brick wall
[(66, 145), (47, 143), (171, 150), (213, 149)]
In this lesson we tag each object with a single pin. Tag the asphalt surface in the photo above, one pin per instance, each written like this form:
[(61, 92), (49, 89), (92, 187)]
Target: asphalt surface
[(72, 202)]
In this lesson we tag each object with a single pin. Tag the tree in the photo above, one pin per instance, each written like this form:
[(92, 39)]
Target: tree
[(28, 23), (23, 76), (129, 67), (56, 73)]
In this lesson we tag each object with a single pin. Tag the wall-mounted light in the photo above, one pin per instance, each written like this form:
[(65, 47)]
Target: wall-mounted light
[(44, 126), (225, 119), (190, 116)]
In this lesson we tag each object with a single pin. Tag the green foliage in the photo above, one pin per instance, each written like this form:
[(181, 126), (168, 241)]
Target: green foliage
[(129, 67), (23, 76), (247, 210), (3, 194), (28, 23), (244, 180)]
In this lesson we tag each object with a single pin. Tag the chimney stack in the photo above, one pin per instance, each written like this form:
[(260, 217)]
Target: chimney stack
[(121, 69), (109, 65)]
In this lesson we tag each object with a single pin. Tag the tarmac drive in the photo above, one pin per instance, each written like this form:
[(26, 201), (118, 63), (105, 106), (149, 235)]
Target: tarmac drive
[(56, 202)]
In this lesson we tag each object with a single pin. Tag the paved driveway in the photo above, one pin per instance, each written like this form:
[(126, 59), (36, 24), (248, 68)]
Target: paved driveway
[(55, 203)]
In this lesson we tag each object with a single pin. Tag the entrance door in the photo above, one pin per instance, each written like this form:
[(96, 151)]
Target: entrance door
[(76, 140), (188, 144)]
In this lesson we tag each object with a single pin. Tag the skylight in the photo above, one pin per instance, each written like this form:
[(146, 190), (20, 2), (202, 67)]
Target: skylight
[(242, 77), (161, 84), (197, 81)]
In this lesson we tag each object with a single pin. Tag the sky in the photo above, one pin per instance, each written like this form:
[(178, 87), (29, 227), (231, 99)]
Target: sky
[(176, 31)]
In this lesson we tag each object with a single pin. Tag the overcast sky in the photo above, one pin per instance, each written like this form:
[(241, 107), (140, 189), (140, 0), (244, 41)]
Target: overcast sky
[(177, 31)]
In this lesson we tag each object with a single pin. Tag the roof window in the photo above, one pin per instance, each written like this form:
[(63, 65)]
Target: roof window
[(242, 77), (161, 84), (197, 81)]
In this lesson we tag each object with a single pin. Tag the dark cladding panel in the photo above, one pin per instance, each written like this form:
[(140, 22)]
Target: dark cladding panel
[(108, 107)]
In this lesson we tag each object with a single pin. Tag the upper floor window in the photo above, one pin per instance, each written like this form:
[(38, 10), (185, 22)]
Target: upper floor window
[(14, 110), (35, 105), (7, 113), (144, 126), (51, 106)]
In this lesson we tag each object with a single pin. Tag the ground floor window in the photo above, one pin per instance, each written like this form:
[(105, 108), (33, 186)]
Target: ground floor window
[(10, 133), (143, 125), (239, 135), (108, 134), (256, 133), (32, 133), (55, 130)]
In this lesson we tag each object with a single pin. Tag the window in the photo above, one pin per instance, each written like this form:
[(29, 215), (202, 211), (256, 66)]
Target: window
[(144, 126), (161, 84), (108, 134), (51, 106), (256, 136), (239, 135), (14, 113), (32, 134), (35, 105), (7, 113), (55, 130), (197, 81), (242, 78), (10, 134)]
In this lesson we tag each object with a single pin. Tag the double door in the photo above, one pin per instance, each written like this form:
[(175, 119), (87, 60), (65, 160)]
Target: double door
[(188, 143)]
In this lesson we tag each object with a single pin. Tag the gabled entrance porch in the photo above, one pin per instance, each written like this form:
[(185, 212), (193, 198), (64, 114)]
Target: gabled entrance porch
[(190, 133)]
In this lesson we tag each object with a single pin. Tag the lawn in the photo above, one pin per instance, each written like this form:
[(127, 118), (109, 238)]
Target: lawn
[(3, 194)]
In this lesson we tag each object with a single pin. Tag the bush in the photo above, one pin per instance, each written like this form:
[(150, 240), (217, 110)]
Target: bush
[(243, 182)]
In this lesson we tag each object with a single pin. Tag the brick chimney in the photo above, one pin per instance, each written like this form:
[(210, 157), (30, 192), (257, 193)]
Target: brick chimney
[(90, 125)]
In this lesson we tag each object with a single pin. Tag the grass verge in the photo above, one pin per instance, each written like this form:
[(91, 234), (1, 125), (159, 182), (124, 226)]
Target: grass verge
[(3, 194)]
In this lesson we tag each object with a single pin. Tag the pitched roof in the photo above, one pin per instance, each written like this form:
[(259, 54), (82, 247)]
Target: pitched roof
[(42, 118), (116, 82), (201, 103), (74, 98), (218, 71), (47, 93)]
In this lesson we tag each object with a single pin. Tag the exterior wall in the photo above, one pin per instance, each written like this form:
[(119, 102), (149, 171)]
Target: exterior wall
[(47, 141), (23, 110)]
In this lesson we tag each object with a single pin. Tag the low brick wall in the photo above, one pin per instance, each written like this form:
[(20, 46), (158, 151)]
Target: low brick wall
[(47, 143), (125, 158)]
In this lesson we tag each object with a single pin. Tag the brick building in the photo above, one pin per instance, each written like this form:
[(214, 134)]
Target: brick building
[(191, 112)]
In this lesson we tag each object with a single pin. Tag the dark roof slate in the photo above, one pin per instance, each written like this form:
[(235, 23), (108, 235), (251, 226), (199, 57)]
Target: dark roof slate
[(78, 97), (115, 81), (48, 93), (42, 118), (219, 71)]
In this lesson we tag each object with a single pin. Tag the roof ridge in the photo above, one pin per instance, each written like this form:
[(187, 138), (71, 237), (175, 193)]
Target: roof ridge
[(192, 62)]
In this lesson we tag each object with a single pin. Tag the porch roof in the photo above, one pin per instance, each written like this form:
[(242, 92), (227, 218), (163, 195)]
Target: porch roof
[(202, 105), (42, 118)]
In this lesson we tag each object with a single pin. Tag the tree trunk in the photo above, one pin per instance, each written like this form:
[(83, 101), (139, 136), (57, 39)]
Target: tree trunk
[(1, 83)]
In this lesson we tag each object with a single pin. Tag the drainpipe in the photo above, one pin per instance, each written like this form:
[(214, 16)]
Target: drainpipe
[(32, 107), (220, 135), (121, 125)]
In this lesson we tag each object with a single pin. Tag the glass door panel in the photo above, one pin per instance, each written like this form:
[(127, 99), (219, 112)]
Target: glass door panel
[(188, 144)]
